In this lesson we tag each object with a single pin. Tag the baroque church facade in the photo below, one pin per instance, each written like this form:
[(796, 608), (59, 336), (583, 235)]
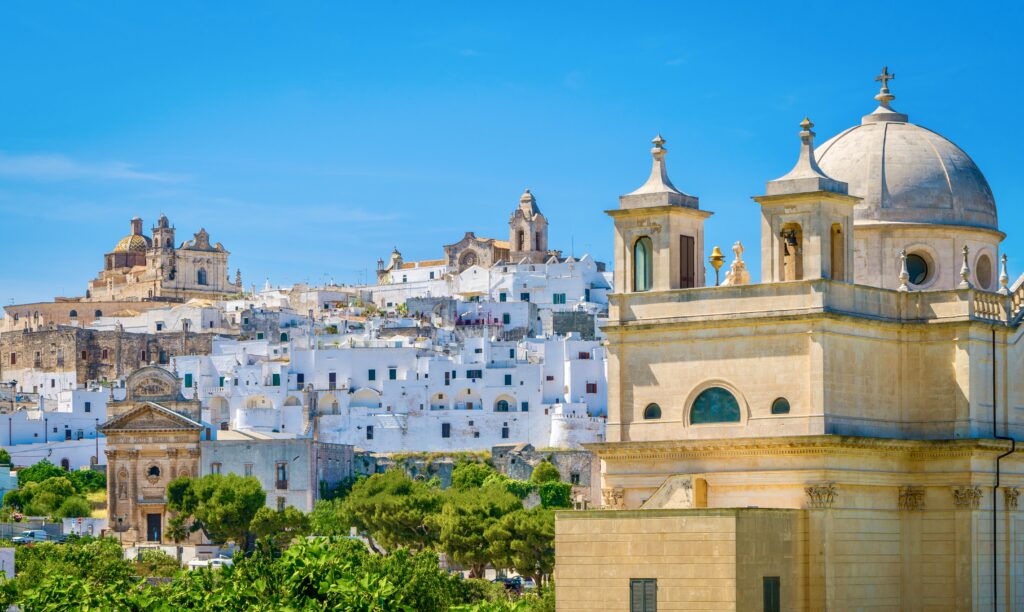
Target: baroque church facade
[(142, 268), (839, 436)]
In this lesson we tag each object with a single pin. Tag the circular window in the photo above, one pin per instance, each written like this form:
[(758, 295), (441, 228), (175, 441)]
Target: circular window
[(715, 405), (983, 270), (652, 411), (917, 266), (780, 406)]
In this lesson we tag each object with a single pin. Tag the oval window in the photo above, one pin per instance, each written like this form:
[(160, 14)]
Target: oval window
[(652, 411), (917, 267), (154, 471), (780, 406), (983, 270), (715, 405)]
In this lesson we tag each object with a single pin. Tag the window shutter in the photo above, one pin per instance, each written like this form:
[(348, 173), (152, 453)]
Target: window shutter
[(686, 268)]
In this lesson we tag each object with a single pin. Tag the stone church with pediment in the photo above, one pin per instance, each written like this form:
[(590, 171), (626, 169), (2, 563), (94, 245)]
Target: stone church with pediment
[(152, 438)]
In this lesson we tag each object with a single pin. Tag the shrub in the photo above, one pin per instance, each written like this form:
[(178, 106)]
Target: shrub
[(545, 472)]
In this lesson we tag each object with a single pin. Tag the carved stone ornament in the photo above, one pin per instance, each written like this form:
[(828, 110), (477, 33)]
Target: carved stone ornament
[(153, 475), (151, 387), (612, 498), (1010, 496), (821, 496), (911, 498), (967, 498)]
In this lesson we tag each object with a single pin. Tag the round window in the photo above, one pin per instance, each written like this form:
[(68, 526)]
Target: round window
[(652, 411), (983, 270), (780, 406), (715, 405), (917, 267)]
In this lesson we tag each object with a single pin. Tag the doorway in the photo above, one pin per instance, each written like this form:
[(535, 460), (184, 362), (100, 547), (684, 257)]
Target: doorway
[(153, 527)]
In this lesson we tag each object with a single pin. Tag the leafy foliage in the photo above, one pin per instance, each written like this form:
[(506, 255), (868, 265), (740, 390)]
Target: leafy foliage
[(469, 475), (394, 509), (545, 472), (279, 528), (525, 540), (55, 497), (5, 457), (465, 517), (223, 506), (39, 472), (555, 494), (516, 487), (87, 481)]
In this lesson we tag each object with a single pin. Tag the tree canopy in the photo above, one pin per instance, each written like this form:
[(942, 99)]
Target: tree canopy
[(223, 506), (394, 509), (545, 472)]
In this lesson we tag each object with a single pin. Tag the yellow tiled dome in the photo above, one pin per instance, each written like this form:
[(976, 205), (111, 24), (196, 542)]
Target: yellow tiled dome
[(133, 243)]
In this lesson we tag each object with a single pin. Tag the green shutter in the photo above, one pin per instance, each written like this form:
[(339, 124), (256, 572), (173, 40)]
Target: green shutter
[(277, 380), (188, 380)]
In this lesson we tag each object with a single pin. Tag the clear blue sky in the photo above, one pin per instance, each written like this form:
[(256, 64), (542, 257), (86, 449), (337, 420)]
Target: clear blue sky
[(310, 138)]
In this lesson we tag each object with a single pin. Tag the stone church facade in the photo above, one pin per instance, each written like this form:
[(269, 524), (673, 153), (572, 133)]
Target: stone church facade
[(152, 438), (839, 436)]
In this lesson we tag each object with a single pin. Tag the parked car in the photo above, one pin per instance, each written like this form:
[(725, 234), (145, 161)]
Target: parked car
[(215, 563), (30, 536), (529, 583), (513, 585)]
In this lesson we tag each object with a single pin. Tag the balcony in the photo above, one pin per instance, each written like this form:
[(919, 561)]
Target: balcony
[(281, 484)]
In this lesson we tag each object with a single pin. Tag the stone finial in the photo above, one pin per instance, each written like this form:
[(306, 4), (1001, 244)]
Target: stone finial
[(965, 272), (885, 111), (658, 182), (904, 273), (737, 274), (821, 496), (806, 176), (1004, 278), (884, 97)]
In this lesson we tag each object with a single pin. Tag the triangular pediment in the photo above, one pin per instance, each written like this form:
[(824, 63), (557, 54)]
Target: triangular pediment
[(150, 417)]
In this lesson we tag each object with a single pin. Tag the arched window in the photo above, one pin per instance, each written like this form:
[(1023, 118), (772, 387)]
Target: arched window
[(501, 406), (652, 411), (65, 464), (98, 313), (715, 405), (643, 251), (780, 406), (201, 276), (520, 240), (73, 314), (284, 337)]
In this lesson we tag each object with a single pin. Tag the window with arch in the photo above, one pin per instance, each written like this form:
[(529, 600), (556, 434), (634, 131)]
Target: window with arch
[(520, 240), (643, 254), (201, 276), (65, 464), (73, 314), (501, 406), (652, 411), (715, 405), (284, 337), (780, 406), (98, 313)]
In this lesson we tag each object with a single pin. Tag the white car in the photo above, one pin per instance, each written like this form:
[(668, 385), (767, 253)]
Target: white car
[(216, 563), (30, 536)]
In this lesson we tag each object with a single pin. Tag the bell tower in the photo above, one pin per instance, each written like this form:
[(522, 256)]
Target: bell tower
[(806, 222), (527, 231), (659, 234)]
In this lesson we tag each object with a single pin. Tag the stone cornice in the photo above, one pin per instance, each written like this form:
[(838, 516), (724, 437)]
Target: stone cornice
[(649, 210), (820, 445)]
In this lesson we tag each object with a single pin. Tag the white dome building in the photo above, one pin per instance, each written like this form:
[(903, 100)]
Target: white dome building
[(920, 192)]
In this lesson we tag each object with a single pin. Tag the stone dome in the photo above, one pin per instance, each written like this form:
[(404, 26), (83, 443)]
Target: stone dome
[(907, 173), (132, 243)]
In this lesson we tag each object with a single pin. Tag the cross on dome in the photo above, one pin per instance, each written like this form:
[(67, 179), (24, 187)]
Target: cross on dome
[(885, 77)]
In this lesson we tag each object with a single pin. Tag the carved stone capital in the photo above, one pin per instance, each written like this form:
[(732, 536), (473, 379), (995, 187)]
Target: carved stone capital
[(172, 453), (911, 498), (133, 453), (613, 498), (967, 497), (1010, 496), (821, 496)]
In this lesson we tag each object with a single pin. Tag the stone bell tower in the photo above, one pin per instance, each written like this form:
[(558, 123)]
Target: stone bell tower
[(659, 234), (527, 231), (806, 222)]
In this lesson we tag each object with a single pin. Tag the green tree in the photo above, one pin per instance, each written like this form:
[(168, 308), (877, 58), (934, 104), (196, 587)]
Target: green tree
[(545, 472), (39, 472), (518, 488), (464, 519), (87, 481), (325, 519), (41, 498), (5, 457), (555, 494), (73, 507), (280, 528), (223, 506), (469, 474), (156, 563), (394, 509), (525, 541)]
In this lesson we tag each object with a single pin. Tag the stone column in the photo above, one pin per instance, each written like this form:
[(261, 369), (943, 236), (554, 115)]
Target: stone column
[(911, 504)]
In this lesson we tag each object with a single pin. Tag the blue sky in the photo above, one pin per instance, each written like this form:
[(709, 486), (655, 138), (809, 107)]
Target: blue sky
[(310, 138)]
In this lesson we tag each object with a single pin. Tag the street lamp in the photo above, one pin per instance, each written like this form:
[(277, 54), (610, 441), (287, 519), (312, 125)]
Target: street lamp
[(716, 259)]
